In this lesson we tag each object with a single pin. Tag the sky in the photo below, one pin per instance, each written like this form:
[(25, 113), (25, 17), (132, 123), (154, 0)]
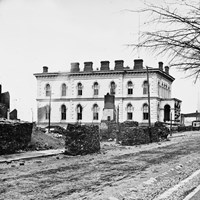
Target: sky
[(54, 33)]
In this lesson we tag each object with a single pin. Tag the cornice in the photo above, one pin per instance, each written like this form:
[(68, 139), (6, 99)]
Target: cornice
[(170, 99), (110, 72), (93, 99)]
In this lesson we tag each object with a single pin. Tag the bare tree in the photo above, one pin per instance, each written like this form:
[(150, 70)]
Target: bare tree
[(174, 31)]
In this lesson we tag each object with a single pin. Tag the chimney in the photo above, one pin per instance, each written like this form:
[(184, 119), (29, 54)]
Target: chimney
[(167, 69), (119, 64), (75, 67), (160, 65), (88, 66), (105, 66), (138, 64), (45, 69)]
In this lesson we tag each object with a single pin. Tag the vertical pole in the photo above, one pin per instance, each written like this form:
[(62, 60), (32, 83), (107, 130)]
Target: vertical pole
[(171, 124), (117, 119), (149, 106), (49, 112)]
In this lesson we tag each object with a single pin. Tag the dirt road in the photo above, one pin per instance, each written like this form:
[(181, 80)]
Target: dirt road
[(140, 172)]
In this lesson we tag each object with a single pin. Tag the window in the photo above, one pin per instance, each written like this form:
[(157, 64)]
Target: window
[(80, 88), (145, 87), (95, 112), (96, 88), (129, 112), (63, 112), (64, 89), (130, 87), (158, 88), (48, 90), (145, 112), (112, 88), (79, 112)]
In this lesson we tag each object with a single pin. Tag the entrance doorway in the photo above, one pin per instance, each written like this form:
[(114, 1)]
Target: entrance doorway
[(167, 113)]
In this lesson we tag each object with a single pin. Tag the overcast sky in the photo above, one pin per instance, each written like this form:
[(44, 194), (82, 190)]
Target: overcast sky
[(54, 33)]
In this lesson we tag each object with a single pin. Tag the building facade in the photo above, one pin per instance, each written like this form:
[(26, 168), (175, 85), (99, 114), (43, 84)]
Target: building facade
[(78, 96)]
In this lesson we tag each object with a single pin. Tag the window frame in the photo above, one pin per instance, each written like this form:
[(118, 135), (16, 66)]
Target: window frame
[(48, 90), (112, 88), (130, 88), (79, 89), (79, 114), (96, 89), (145, 111), (95, 112), (145, 87), (129, 111), (64, 90), (63, 112)]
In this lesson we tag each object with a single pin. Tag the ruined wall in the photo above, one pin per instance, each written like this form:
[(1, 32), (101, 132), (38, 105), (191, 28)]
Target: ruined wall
[(14, 136)]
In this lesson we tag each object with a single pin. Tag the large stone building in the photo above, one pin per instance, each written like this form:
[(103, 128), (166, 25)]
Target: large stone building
[(78, 96)]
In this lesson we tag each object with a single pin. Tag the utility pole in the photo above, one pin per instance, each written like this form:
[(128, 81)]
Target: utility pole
[(149, 107), (171, 124), (49, 112), (117, 119)]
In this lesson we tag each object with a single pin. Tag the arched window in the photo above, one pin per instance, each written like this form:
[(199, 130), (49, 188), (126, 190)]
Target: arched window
[(80, 88), (95, 112), (130, 87), (79, 112), (145, 112), (64, 89), (96, 88), (129, 112), (48, 90), (112, 88), (145, 87), (63, 112), (158, 88)]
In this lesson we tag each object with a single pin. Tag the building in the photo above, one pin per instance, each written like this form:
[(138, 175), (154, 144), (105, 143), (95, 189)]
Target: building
[(5, 106), (78, 96)]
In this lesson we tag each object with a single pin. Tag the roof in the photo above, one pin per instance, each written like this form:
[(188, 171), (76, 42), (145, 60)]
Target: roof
[(195, 114)]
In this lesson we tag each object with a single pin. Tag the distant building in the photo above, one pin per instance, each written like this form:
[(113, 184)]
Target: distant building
[(13, 114), (78, 96), (188, 118), (5, 106)]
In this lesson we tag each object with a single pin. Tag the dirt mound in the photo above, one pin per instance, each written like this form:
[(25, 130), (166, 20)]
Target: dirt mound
[(43, 141)]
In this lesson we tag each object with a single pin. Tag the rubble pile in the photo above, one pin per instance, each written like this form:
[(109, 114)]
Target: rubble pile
[(134, 136), (129, 124), (82, 139), (161, 130), (143, 135), (111, 131), (14, 136)]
